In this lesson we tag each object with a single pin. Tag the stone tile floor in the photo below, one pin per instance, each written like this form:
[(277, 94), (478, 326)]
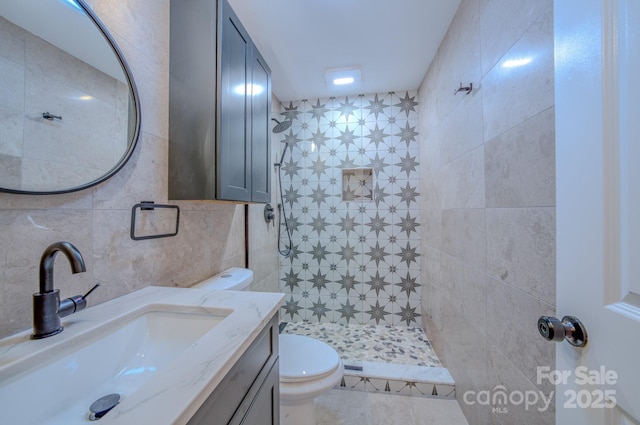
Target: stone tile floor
[(344, 407)]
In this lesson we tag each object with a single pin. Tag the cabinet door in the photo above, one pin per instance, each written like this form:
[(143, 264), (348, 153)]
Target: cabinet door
[(265, 409), (192, 100), (234, 151), (260, 129)]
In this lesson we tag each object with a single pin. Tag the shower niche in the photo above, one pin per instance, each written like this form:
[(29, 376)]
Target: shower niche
[(357, 184), (219, 107)]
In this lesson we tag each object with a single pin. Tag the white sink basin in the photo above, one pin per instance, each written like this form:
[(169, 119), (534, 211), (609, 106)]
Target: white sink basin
[(60, 383)]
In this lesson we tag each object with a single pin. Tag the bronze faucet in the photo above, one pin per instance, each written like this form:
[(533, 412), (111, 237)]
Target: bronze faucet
[(47, 308)]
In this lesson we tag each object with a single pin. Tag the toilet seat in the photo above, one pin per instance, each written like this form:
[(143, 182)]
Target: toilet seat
[(305, 359)]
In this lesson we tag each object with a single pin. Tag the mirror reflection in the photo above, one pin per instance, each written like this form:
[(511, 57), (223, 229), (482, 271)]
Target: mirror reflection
[(68, 117)]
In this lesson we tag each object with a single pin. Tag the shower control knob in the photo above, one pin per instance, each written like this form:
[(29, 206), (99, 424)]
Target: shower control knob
[(268, 214), (569, 328)]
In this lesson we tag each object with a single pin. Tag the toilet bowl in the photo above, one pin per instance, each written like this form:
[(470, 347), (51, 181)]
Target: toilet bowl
[(308, 367)]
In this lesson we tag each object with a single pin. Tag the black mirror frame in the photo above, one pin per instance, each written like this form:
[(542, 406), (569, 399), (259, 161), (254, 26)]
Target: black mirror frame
[(136, 106)]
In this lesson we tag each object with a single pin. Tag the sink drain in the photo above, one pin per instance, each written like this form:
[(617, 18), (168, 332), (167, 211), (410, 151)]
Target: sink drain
[(103, 405)]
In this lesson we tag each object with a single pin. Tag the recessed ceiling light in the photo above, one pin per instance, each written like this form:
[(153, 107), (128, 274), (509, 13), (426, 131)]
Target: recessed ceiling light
[(342, 76), (344, 80)]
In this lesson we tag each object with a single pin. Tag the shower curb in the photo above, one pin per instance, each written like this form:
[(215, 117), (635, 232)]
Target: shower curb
[(400, 379)]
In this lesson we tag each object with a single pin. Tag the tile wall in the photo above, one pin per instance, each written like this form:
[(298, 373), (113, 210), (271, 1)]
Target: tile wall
[(351, 190), (97, 220), (488, 202)]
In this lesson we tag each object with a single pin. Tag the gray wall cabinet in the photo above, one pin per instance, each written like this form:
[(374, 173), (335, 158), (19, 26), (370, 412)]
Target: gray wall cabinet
[(219, 107)]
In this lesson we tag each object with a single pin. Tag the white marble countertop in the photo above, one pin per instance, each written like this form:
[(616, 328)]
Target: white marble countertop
[(177, 391)]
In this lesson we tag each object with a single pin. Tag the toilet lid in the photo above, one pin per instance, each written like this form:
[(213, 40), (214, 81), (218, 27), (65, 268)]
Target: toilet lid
[(303, 358)]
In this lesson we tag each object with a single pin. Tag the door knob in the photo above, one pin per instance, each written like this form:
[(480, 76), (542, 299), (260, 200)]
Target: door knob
[(570, 328)]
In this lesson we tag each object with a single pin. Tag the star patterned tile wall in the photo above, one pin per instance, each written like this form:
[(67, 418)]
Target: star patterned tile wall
[(355, 256)]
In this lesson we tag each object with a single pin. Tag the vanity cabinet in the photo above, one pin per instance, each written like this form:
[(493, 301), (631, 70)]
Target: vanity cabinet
[(219, 107), (250, 393)]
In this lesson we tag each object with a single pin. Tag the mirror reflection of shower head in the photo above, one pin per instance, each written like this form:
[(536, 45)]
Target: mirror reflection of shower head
[(281, 126)]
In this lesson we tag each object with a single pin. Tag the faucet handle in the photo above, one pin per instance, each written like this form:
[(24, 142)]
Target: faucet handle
[(76, 303), (84, 297)]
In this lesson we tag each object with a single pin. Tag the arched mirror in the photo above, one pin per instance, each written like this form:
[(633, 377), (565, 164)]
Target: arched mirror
[(69, 112)]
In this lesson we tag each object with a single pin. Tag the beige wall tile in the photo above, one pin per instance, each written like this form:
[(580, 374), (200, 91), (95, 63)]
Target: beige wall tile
[(520, 164), (11, 131), (513, 316), (143, 177), (511, 95), (10, 170), (12, 88), (462, 181), (475, 414), (464, 237), (503, 22), (14, 47), (521, 249), (504, 373), (458, 61), (463, 129), (151, 33), (466, 285), (270, 283), (466, 343), (263, 257), (431, 230), (430, 189)]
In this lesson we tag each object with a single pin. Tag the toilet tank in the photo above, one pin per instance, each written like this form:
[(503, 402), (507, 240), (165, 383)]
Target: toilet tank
[(233, 279)]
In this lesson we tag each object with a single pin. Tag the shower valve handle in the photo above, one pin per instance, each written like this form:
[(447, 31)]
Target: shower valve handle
[(269, 215)]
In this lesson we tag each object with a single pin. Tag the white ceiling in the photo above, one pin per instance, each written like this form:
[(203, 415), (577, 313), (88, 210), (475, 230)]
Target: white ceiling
[(391, 41)]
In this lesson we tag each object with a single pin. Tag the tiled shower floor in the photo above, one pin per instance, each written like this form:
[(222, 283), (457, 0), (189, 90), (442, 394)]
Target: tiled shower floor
[(386, 344), (383, 358)]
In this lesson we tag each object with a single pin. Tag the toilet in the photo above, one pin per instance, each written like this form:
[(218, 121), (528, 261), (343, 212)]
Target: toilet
[(308, 367)]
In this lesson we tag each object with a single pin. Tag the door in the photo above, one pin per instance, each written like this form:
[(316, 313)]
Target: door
[(597, 56)]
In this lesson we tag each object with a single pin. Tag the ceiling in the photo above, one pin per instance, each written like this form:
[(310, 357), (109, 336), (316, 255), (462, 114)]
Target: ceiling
[(391, 41)]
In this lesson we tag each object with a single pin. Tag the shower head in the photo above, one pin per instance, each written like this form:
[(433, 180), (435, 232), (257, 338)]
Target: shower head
[(281, 126)]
